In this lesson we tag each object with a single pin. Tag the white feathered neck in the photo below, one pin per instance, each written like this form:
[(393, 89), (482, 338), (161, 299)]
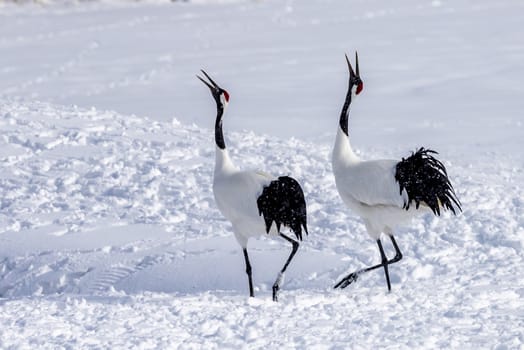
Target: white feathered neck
[(343, 152), (223, 163)]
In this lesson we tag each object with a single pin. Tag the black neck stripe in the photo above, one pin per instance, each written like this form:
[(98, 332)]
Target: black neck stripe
[(344, 115), (219, 136)]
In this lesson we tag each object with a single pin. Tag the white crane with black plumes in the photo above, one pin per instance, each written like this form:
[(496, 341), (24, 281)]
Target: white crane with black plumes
[(385, 193), (253, 200)]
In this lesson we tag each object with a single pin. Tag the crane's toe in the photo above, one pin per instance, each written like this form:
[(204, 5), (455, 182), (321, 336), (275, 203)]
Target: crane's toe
[(346, 281)]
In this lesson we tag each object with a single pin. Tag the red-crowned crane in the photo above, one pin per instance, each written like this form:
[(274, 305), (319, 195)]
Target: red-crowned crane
[(385, 193), (253, 200)]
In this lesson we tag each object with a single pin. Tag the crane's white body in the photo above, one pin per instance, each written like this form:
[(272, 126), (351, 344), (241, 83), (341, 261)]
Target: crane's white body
[(382, 191), (254, 202), (236, 194), (369, 188)]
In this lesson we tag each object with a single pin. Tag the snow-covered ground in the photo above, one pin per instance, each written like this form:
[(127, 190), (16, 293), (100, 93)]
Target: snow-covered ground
[(109, 234)]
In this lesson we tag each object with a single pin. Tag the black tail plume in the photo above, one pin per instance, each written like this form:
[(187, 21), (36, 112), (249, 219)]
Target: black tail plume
[(426, 181), (283, 202)]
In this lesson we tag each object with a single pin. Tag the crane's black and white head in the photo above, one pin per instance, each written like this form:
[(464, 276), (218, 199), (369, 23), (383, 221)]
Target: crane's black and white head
[(355, 83), (220, 95)]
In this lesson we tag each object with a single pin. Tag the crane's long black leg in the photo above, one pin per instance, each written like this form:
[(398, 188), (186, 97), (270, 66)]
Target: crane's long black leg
[(385, 263), (276, 285), (352, 277), (248, 271), (398, 254)]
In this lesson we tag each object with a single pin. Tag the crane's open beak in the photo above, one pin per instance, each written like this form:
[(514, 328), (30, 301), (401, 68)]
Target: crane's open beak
[(354, 78), (351, 71), (214, 85)]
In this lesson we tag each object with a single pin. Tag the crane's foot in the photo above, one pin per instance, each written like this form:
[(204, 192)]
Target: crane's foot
[(276, 285), (276, 288), (346, 281)]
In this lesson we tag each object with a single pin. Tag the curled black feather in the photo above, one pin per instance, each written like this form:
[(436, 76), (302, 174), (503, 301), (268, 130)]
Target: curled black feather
[(425, 180), (282, 202)]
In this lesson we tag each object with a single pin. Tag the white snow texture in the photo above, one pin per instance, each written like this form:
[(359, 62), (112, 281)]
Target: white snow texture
[(109, 234)]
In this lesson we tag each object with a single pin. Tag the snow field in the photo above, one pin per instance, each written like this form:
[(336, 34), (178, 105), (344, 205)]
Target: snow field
[(89, 249), (307, 319)]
